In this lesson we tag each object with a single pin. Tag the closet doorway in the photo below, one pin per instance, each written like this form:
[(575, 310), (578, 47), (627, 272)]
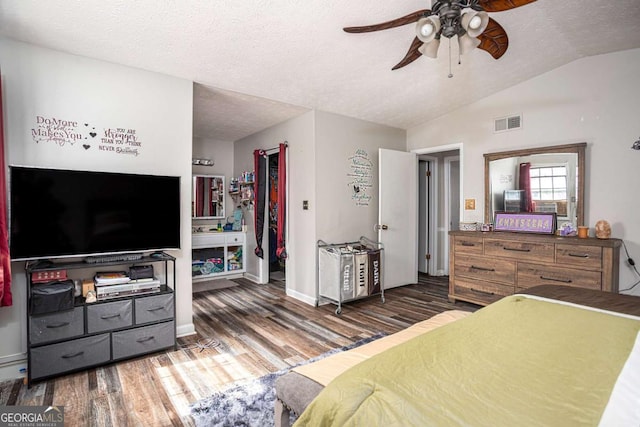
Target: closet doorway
[(276, 265)]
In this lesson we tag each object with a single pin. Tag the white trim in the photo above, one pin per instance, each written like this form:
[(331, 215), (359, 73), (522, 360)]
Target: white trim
[(432, 226), (252, 277), (447, 205), (302, 297), (13, 366), (439, 149), (184, 330)]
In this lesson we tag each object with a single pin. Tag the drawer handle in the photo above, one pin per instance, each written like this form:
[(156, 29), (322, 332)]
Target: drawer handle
[(145, 339), (155, 308), (481, 292), (109, 316), (467, 244), (553, 279), (57, 325), (579, 255), (71, 356), (482, 268), (516, 249)]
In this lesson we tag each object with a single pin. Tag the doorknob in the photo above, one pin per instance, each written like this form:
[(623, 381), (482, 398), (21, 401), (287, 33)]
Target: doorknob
[(379, 227)]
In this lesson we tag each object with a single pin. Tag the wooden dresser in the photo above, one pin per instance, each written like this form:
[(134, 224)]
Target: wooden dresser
[(484, 267)]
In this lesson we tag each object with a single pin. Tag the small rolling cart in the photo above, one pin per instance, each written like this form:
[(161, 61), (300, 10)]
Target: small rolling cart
[(349, 271)]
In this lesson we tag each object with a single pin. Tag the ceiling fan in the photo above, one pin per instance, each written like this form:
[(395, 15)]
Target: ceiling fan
[(466, 19)]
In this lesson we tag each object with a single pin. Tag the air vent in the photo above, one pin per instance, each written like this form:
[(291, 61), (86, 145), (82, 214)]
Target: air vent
[(507, 123)]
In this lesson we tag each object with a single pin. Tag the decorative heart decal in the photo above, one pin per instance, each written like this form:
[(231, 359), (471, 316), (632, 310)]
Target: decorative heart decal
[(86, 146), (93, 134)]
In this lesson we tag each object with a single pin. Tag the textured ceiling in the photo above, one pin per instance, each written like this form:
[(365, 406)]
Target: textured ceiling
[(259, 62)]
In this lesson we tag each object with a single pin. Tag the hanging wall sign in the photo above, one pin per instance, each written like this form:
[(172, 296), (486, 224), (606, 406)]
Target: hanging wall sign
[(71, 133), (360, 177)]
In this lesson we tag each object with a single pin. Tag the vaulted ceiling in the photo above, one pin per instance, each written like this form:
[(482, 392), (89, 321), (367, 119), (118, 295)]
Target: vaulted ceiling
[(259, 62)]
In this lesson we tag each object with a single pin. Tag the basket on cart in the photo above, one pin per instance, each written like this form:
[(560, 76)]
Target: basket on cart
[(349, 271)]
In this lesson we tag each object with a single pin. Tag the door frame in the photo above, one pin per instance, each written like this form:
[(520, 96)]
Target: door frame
[(447, 203), (432, 202), (445, 245)]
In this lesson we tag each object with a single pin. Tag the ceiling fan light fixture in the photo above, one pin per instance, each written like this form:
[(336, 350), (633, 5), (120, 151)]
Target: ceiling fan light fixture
[(474, 23), (430, 49), (467, 43), (427, 28)]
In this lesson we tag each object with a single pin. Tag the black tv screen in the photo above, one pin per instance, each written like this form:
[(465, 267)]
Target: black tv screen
[(63, 213)]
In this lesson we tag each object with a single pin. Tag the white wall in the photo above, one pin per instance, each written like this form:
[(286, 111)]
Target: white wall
[(300, 233), (46, 83), (320, 145), (339, 217), (594, 100), (221, 152)]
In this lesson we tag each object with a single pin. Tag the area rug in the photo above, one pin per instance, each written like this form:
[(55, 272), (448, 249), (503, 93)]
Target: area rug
[(251, 403)]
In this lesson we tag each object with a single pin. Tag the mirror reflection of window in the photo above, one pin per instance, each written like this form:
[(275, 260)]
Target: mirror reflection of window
[(549, 189)]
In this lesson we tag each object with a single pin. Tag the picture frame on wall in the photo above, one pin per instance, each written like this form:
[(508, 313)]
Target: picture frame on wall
[(526, 222)]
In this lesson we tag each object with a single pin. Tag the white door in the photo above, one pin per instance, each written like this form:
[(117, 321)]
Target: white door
[(398, 216)]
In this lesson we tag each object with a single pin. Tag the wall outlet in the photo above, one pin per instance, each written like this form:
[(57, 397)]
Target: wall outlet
[(305, 205)]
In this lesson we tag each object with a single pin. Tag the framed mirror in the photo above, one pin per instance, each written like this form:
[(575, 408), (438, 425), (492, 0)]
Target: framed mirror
[(207, 197), (552, 177)]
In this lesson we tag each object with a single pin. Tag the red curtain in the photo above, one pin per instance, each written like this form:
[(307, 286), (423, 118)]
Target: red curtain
[(525, 185), (5, 262), (282, 200), (259, 182), (199, 197)]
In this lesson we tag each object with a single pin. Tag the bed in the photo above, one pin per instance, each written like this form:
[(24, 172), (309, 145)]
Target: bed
[(553, 356)]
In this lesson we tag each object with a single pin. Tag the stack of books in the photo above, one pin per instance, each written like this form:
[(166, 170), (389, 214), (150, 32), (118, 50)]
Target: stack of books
[(114, 284)]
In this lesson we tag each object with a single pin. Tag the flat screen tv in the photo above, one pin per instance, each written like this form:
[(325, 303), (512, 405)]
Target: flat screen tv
[(57, 213)]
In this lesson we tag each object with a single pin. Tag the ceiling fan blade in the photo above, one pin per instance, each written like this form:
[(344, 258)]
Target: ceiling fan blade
[(494, 39), (413, 17), (502, 5), (411, 55)]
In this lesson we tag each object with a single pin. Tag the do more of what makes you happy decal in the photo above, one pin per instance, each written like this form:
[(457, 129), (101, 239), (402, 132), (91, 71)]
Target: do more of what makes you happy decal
[(72, 133), (360, 177)]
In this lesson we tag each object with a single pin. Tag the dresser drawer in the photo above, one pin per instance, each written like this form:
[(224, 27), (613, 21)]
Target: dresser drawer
[(71, 355), (206, 240), (483, 268), (532, 275), (143, 340), (579, 255), (530, 251), (56, 326), (481, 291), (234, 238), (468, 245), (152, 309), (108, 316)]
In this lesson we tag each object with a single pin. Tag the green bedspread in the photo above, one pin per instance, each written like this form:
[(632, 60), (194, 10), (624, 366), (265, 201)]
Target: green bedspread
[(517, 362)]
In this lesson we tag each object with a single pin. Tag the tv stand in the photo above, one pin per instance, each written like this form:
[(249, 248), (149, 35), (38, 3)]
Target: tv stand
[(105, 331)]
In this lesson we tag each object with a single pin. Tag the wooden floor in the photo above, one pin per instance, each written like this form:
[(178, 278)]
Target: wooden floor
[(243, 332)]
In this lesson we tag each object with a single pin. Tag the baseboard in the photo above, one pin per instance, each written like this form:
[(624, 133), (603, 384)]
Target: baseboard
[(252, 277), (185, 330), (302, 297), (13, 366)]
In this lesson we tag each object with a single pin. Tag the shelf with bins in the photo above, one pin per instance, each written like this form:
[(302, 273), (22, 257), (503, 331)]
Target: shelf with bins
[(217, 255), (242, 189), (88, 334)]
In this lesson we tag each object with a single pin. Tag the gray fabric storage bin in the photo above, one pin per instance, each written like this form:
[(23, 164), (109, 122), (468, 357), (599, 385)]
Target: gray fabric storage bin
[(361, 273), (142, 340), (154, 308), (108, 316), (56, 326), (335, 274), (67, 356)]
